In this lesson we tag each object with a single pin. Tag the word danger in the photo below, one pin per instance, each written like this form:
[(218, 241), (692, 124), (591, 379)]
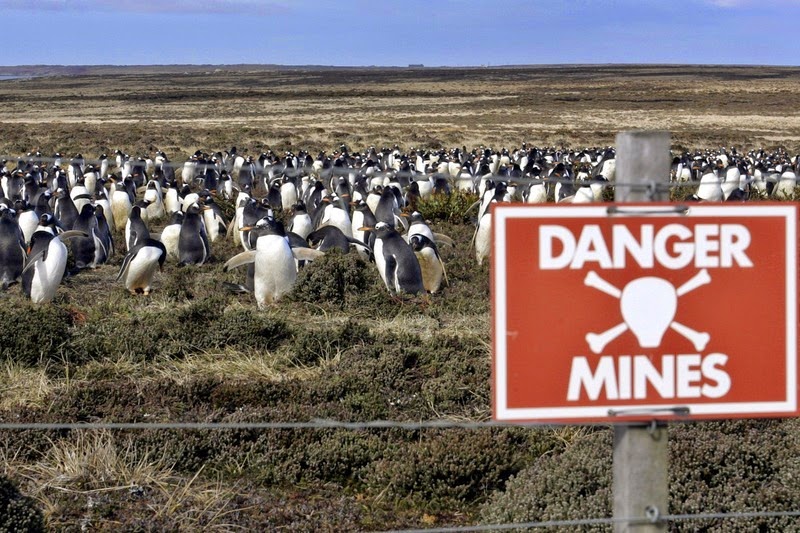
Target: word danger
[(627, 377), (674, 246)]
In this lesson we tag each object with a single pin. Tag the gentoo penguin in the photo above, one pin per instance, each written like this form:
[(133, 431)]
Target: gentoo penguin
[(275, 269), (171, 234), (135, 227), (12, 248), (431, 264), (212, 218), (120, 205), (363, 217), (334, 212), (84, 248), (155, 201), (300, 223), (140, 264), (104, 232), (45, 265), (26, 218), (328, 237), (172, 202), (396, 262), (193, 247)]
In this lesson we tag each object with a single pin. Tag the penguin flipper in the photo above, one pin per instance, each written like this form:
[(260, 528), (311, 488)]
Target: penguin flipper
[(390, 273), (441, 238), (31, 260), (72, 233), (126, 262), (243, 258), (306, 254)]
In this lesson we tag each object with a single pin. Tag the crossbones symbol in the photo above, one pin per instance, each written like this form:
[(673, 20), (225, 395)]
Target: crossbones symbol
[(632, 293)]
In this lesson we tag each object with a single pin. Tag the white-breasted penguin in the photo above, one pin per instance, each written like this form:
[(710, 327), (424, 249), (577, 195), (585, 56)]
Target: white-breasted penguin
[(275, 270), (12, 248), (140, 264), (171, 234), (396, 262), (193, 246), (430, 262), (45, 265)]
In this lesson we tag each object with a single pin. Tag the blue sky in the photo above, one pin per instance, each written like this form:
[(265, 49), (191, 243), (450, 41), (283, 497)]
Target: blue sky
[(374, 32)]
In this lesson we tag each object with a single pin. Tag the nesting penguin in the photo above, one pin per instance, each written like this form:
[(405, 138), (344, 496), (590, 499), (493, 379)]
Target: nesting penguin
[(140, 264)]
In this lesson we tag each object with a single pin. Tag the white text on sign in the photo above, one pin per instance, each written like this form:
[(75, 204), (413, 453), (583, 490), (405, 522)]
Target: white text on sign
[(674, 246)]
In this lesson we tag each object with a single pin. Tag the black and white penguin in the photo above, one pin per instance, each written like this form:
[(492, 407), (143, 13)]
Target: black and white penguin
[(212, 217), (45, 265), (275, 270), (135, 227), (12, 248), (329, 237), (121, 205), (65, 210), (140, 264), (300, 223), (103, 234), (170, 235), (430, 262), (84, 248), (396, 262), (193, 246)]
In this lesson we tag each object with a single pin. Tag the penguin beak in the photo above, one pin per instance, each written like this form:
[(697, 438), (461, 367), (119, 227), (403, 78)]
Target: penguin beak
[(246, 228), (366, 228), (405, 215)]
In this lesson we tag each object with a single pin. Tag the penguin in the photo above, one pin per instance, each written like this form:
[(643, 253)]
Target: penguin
[(140, 264), (396, 262), (334, 212), (12, 248), (328, 237), (387, 210), (152, 195), (45, 265), (26, 218), (212, 218), (193, 246), (171, 234), (431, 264), (172, 203), (275, 270), (135, 227), (103, 234), (300, 223), (363, 217), (84, 248), (121, 206)]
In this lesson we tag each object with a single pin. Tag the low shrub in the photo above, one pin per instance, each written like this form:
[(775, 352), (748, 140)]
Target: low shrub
[(18, 513)]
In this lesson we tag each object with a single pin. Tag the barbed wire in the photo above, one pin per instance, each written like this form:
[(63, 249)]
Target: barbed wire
[(312, 424), (603, 521)]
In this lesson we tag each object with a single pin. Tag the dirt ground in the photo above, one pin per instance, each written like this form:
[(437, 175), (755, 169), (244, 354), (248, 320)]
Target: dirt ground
[(181, 111)]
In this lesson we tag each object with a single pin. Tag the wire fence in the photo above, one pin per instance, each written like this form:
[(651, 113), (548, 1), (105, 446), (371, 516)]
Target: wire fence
[(668, 184)]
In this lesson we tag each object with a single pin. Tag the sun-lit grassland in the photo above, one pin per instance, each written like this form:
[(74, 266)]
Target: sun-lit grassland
[(339, 347)]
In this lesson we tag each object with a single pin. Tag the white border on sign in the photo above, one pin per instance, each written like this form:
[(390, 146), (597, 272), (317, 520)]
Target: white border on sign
[(502, 213)]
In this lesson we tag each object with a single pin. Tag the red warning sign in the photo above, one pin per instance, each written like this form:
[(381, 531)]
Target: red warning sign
[(641, 312)]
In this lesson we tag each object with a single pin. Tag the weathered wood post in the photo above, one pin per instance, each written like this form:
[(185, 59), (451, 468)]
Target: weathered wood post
[(641, 480)]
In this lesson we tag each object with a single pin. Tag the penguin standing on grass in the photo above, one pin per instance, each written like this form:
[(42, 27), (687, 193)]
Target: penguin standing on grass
[(45, 265), (275, 269), (140, 265), (431, 264), (12, 248), (193, 247), (396, 262)]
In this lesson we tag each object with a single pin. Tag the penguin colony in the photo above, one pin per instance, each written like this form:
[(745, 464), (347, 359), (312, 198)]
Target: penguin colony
[(364, 202)]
